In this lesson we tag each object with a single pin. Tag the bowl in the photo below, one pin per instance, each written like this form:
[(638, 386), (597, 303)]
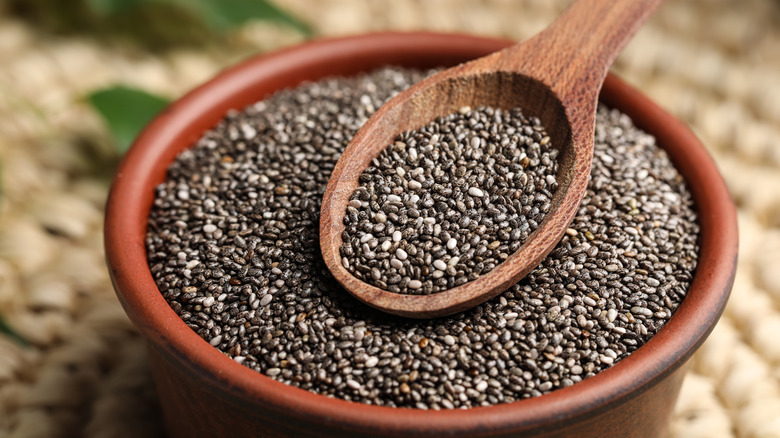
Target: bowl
[(204, 392)]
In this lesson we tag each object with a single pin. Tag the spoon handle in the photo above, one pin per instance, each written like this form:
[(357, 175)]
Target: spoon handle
[(575, 52)]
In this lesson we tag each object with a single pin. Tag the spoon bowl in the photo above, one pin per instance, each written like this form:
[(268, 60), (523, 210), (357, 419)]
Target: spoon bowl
[(495, 89), (556, 76)]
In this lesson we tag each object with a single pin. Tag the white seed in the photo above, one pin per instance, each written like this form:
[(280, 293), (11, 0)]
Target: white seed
[(248, 131), (266, 300), (473, 191)]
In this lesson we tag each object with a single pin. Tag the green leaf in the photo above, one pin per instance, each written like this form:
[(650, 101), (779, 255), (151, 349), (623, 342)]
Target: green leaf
[(126, 111), (225, 14), (7, 330), (220, 15), (110, 7)]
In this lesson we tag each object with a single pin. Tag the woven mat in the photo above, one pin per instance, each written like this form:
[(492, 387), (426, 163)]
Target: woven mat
[(714, 63)]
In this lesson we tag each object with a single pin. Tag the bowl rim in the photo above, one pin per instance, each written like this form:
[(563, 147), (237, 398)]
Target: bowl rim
[(182, 123)]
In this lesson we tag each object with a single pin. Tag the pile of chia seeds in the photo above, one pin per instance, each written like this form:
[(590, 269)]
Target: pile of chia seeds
[(233, 246), (450, 201)]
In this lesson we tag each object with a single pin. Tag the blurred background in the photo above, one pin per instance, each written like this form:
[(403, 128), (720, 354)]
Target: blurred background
[(79, 78)]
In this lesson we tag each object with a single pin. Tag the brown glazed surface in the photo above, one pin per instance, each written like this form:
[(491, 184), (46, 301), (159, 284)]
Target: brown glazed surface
[(205, 393)]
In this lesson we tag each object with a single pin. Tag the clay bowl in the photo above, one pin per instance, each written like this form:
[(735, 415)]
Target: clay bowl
[(204, 393)]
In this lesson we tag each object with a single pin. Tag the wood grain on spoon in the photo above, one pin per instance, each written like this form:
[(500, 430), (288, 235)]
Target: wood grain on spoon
[(555, 76)]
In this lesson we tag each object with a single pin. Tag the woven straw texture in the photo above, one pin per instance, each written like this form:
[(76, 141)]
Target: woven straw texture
[(713, 63)]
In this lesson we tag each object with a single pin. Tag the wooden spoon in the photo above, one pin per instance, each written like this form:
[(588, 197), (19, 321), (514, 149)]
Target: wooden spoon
[(555, 76)]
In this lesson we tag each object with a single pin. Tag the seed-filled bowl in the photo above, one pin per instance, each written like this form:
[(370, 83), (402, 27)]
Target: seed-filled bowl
[(203, 392)]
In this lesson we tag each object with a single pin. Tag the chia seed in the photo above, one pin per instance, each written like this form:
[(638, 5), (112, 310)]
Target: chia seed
[(473, 185), (261, 294)]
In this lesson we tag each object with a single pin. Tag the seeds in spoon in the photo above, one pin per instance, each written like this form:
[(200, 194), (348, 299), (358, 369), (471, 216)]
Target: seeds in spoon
[(472, 185)]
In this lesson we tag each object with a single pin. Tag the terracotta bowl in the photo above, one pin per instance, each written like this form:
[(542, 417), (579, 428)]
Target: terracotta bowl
[(205, 393)]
